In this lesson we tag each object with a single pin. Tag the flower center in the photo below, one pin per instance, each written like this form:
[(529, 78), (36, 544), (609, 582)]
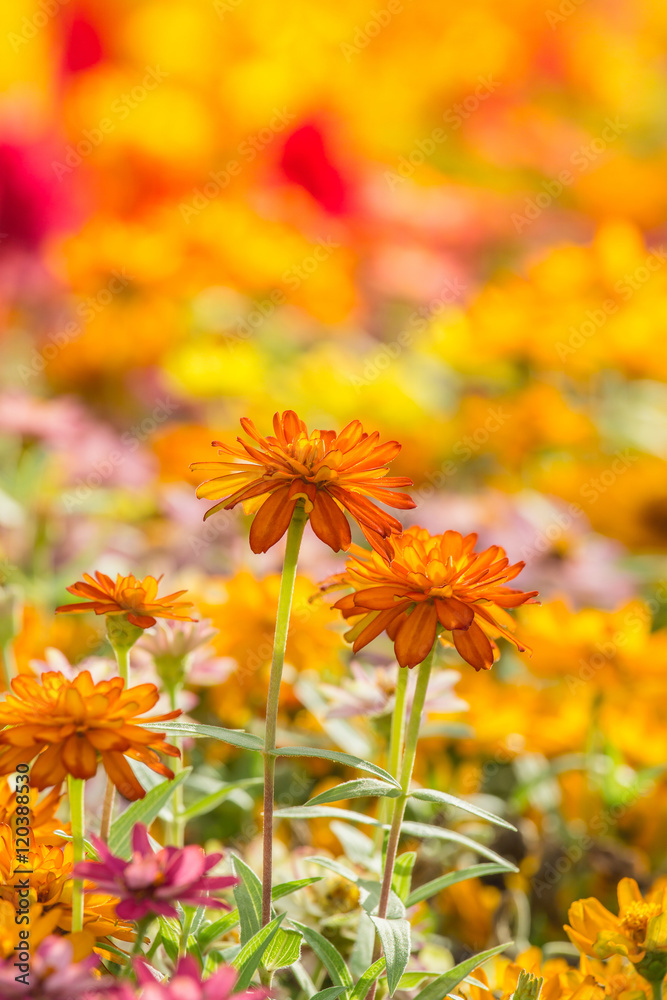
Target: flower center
[(636, 917)]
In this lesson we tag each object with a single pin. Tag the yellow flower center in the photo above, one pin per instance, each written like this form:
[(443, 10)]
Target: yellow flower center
[(635, 918)]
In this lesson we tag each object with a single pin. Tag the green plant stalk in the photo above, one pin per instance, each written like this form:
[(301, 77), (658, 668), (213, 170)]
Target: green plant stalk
[(122, 654), (293, 544), (77, 817), (396, 739), (177, 825), (656, 987), (8, 664), (407, 766)]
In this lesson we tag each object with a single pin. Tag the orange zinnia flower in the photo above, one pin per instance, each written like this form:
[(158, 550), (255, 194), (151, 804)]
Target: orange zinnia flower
[(69, 725), (433, 583), (329, 472), (128, 596)]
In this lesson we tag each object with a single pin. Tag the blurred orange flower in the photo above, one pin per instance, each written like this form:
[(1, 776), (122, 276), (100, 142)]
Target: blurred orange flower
[(69, 725), (432, 583), (329, 472), (137, 599)]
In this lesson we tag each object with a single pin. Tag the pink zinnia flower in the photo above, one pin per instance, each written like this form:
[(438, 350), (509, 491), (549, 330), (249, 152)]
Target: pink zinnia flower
[(53, 975), (186, 982), (151, 882)]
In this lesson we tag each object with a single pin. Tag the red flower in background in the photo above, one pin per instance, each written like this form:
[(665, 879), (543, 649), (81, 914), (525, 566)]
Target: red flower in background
[(306, 161)]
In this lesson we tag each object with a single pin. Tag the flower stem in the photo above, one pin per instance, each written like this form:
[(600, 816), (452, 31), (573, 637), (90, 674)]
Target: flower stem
[(398, 804), (293, 544), (122, 655), (77, 817), (107, 810), (396, 739), (656, 986), (177, 825)]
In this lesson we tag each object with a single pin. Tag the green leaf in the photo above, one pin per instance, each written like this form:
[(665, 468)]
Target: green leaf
[(426, 832), (449, 980), (400, 883), (360, 788), (364, 983), (336, 867), (207, 935), (339, 758), (395, 938), (322, 812), (286, 888), (327, 954), (431, 795), (142, 811), (248, 896), (209, 802), (330, 993), (170, 932), (235, 737), (436, 885), (284, 950), (361, 955), (251, 953)]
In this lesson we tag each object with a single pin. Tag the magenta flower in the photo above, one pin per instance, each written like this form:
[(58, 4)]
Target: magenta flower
[(186, 982), (52, 975), (151, 882)]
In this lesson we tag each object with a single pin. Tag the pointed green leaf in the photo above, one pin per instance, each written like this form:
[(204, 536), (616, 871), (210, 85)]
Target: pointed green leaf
[(431, 795), (322, 812), (340, 758), (335, 866), (142, 811), (209, 802), (170, 932), (360, 788), (248, 896), (449, 980), (395, 938), (436, 885), (251, 953), (235, 737), (403, 874), (426, 832), (207, 935), (284, 950), (286, 888), (366, 981), (327, 954), (330, 993)]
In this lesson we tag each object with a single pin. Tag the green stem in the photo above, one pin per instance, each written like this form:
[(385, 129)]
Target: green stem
[(656, 986), (396, 739), (177, 825), (8, 664), (123, 660), (407, 766), (77, 817), (293, 544)]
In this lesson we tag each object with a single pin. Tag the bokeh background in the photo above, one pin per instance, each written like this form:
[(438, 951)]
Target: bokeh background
[(446, 220)]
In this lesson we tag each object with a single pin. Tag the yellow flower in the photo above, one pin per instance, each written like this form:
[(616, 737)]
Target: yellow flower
[(640, 929)]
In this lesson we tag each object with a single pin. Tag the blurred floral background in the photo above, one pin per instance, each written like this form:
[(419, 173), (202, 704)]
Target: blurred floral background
[(447, 221)]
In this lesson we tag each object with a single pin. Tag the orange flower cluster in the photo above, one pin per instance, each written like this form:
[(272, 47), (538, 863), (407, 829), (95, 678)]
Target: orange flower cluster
[(137, 599), (429, 585), (66, 727), (330, 473)]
